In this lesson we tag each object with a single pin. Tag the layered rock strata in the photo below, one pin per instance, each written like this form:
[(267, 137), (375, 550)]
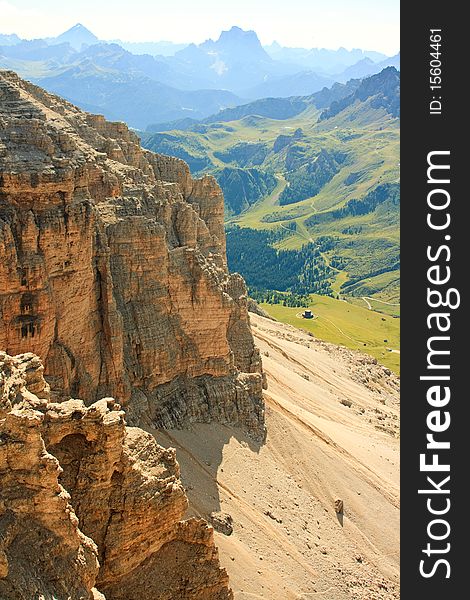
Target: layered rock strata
[(88, 504), (114, 269)]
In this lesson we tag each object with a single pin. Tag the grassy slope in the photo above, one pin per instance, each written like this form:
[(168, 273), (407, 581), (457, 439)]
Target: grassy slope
[(349, 325), (372, 150), (370, 140)]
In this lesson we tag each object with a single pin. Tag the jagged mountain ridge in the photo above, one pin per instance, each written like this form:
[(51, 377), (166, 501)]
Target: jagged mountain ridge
[(235, 61), (383, 89), (225, 72), (323, 60), (105, 78)]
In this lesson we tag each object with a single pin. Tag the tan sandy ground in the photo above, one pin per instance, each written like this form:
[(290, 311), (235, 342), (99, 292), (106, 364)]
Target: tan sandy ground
[(317, 449)]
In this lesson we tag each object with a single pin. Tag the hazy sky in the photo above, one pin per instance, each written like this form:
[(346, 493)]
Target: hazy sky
[(367, 24)]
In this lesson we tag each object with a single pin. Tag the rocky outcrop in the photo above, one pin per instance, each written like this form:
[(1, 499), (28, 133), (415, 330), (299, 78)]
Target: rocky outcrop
[(86, 501), (114, 269), (42, 550)]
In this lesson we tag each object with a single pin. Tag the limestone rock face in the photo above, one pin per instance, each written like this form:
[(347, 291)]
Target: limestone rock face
[(114, 269), (86, 501), (42, 550)]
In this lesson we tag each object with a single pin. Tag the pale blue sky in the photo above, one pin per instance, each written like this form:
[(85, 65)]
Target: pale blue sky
[(367, 24)]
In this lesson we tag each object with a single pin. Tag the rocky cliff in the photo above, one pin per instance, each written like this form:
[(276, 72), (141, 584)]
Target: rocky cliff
[(87, 503), (114, 270)]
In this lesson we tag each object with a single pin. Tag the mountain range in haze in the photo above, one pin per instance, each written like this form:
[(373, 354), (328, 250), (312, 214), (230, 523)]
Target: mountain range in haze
[(151, 82)]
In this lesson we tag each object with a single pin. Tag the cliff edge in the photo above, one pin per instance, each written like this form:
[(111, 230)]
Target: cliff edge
[(114, 269)]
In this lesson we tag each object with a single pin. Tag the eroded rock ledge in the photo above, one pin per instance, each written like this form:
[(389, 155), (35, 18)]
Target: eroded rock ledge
[(114, 269), (88, 504)]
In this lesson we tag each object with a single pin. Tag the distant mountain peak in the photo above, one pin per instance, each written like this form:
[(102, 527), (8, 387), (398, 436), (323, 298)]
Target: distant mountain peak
[(236, 32), (80, 29), (237, 40), (237, 35), (77, 36)]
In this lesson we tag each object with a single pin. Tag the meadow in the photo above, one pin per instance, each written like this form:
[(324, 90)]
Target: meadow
[(346, 324)]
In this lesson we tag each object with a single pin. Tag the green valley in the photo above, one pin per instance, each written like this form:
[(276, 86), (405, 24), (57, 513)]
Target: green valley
[(322, 181), (312, 195)]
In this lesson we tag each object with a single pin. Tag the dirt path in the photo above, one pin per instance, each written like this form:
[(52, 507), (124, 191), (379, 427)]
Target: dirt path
[(383, 301)]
